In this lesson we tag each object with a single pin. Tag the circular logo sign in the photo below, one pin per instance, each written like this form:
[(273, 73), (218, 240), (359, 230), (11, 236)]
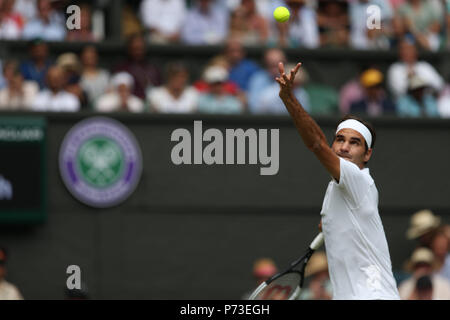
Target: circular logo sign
[(100, 162)]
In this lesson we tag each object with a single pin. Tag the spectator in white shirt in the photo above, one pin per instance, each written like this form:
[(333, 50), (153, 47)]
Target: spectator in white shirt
[(11, 22), (94, 80), (163, 19), (205, 24), (8, 291), (120, 99), (18, 94), (407, 66), (361, 36), (301, 30), (176, 96), (49, 24), (55, 98)]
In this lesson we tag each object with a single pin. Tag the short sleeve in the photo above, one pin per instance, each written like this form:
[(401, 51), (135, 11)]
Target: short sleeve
[(354, 181)]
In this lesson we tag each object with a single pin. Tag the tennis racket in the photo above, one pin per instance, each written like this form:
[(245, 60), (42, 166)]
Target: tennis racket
[(286, 285)]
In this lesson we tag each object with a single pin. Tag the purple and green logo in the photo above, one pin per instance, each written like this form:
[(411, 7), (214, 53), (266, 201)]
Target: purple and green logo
[(100, 162)]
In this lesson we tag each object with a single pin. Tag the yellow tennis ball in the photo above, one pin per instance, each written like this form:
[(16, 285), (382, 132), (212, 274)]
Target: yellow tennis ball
[(281, 14)]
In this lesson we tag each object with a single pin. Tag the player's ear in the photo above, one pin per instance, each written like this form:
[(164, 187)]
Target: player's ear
[(367, 155)]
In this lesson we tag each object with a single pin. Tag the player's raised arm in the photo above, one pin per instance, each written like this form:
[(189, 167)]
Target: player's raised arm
[(311, 133)]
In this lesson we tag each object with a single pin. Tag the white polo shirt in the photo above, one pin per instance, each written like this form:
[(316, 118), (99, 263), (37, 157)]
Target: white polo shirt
[(357, 251)]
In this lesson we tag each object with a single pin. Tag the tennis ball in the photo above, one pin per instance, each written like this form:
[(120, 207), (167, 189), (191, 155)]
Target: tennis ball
[(281, 14)]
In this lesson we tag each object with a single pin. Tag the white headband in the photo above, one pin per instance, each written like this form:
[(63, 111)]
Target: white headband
[(357, 126)]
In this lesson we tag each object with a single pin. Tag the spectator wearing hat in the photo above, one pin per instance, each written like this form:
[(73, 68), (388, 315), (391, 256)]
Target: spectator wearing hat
[(121, 98), (418, 101), (422, 263), (319, 287), (176, 96), (375, 101), (71, 65), (422, 226), (49, 24), (217, 100), (8, 291), (55, 98), (36, 67), (263, 269), (399, 72)]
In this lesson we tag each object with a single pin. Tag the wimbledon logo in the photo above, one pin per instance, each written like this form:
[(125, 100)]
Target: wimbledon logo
[(100, 162)]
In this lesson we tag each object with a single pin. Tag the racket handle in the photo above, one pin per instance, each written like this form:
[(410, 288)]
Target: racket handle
[(317, 242)]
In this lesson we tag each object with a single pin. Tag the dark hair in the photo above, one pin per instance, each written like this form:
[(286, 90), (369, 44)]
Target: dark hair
[(367, 124), (424, 283)]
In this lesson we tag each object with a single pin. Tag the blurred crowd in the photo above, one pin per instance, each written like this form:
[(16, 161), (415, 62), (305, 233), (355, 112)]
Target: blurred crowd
[(424, 276), (313, 23), (230, 83)]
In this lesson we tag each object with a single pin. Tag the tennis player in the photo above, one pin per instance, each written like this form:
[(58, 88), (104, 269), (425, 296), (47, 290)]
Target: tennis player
[(357, 251)]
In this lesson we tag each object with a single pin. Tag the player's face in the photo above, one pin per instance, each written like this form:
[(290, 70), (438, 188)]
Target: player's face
[(350, 145)]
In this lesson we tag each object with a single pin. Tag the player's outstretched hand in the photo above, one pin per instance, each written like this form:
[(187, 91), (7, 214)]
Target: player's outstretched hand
[(286, 82)]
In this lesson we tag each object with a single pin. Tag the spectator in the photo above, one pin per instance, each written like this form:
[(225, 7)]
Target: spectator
[(408, 64), (248, 25), (440, 245), (130, 21), (55, 98), (27, 9), (71, 66), (8, 291), (145, 75), (176, 96), (94, 81), (11, 22), (163, 19), (262, 79), (301, 30), (424, 21), (333, 22), (17, 94), (205, 24), (418, 102), (375, 101), (240, 68), (270, 102), (217, 100), (422, 264), (319, 287), (352, 91), (361, 36), (85, 32), (230, 87), (444, 100), (36, 68), (422, 226), (263, 269), (48, 25), (121, 98)]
